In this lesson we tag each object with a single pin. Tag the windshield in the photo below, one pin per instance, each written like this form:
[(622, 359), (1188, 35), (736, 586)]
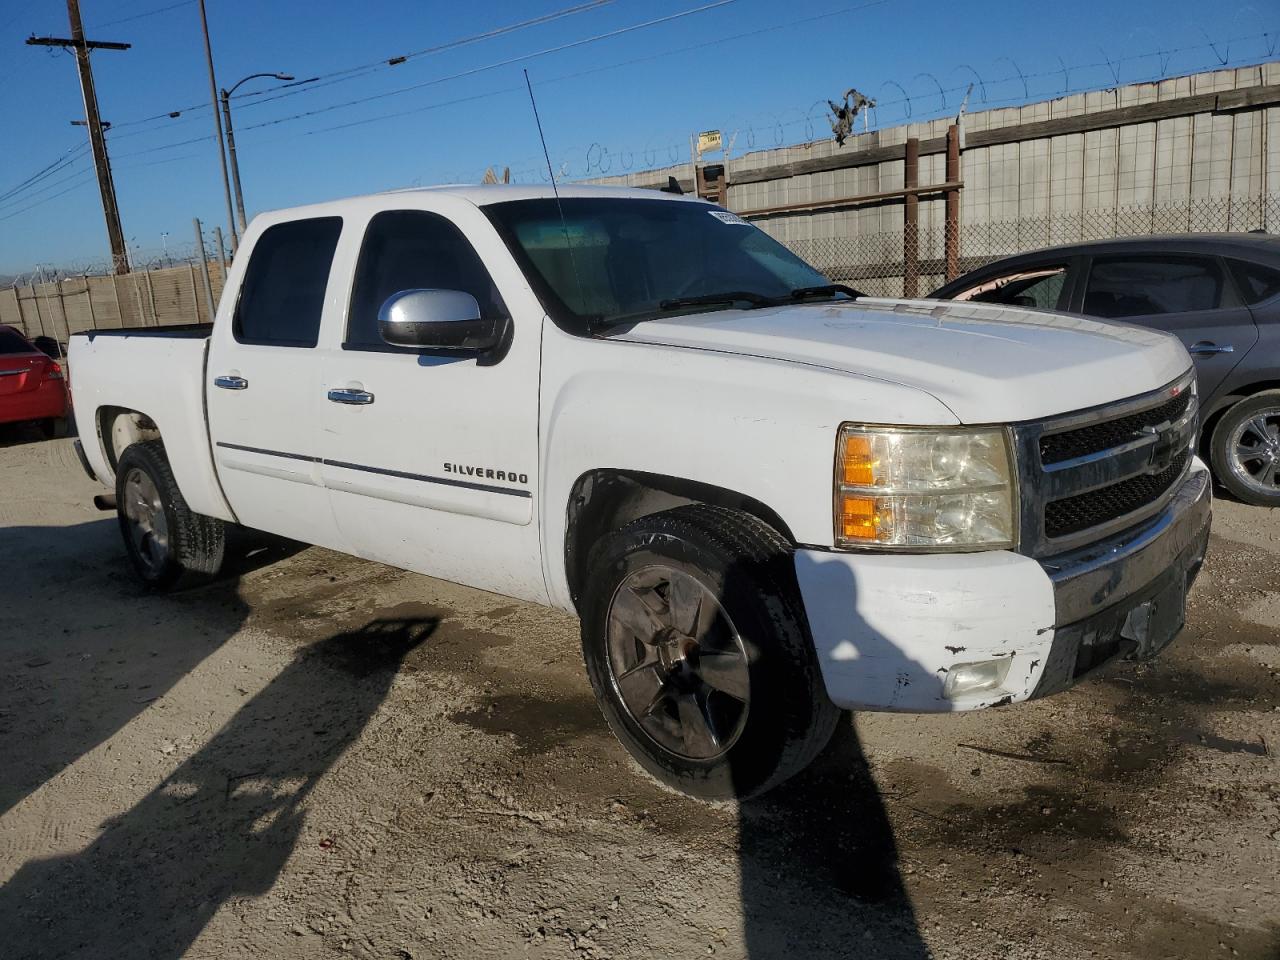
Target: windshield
[(630, 259)]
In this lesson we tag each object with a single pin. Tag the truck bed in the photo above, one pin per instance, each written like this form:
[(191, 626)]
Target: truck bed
[(158, 372)]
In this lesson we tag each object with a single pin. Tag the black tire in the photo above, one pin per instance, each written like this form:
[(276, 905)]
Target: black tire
[(1253, 478), (747, 567), (49, 427), (193, 544)]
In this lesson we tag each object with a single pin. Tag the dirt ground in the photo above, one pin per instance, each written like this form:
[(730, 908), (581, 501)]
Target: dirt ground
[(319, 755)]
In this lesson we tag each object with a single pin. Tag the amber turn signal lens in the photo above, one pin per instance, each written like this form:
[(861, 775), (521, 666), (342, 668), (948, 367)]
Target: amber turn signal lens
[(859, 518), (858, 465)]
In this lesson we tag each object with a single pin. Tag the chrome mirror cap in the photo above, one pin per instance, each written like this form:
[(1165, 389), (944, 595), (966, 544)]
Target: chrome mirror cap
[(439, 320)]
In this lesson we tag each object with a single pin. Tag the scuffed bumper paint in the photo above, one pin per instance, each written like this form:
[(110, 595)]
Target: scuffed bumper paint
[(888, 629)]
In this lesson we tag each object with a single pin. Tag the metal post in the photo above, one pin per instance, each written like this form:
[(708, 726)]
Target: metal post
[(911, 221), (952, 239), (115, 292), (217, 126), (235, 164), (208, 283), (222, 251), (88, 295), (151, 296)]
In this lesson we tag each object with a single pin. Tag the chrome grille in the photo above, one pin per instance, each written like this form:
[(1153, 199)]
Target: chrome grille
[(1086, 475)]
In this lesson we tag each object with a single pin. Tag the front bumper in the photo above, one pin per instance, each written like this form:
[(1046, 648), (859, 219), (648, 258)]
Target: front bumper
[(890, 629)]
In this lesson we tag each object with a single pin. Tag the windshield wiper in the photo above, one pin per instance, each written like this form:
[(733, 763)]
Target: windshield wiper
[(728, 296), (825, 290)]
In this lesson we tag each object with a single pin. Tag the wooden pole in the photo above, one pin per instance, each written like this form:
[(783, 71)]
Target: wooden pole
[(952, 239)]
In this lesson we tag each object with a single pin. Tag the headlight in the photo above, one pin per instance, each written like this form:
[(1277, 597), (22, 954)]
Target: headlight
[(923, 489)]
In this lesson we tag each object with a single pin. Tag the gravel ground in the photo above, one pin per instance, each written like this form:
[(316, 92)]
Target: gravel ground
[(320, 755)]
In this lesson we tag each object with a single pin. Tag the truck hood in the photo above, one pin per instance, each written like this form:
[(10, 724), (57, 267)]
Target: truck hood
[(987, 363)]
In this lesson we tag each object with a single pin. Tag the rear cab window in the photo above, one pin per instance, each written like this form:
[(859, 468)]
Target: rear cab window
[(1148, 286), (282, 294)]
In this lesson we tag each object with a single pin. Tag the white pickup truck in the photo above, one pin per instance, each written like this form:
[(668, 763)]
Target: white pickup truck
[(766, 498)]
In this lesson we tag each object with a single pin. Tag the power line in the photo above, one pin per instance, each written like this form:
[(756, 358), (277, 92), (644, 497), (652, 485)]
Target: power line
[(351, 73), (559, 48), (43, 172), (139, 16)]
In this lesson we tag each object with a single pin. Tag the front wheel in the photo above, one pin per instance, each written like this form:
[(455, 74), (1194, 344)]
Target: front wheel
[(1245, 449), (168, 544), (697, 649)]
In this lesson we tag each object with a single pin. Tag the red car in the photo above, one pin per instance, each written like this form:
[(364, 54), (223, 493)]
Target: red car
[(31, 384)]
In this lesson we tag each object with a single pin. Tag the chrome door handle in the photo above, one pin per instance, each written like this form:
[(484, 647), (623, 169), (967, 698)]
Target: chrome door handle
[(343, 395), (1205, 348), (230, 383)]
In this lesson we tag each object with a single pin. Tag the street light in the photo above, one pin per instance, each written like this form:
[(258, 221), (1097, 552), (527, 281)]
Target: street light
[(231, 140)]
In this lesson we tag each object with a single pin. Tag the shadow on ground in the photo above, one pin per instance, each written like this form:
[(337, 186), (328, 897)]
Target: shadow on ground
[(87, 649), (222, 825)]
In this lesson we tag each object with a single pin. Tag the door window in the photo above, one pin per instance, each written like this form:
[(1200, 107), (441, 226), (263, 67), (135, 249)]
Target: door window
[(1256, 282), (1039, 287), (1143, 286), (282, 295), (413, 250)]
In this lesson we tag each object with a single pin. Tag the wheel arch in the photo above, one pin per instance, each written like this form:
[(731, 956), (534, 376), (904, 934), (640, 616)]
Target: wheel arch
[(118, 428), (1225, 401), (604, 499)]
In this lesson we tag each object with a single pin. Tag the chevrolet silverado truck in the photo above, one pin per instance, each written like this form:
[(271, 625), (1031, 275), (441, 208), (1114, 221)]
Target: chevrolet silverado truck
[(767, 498)]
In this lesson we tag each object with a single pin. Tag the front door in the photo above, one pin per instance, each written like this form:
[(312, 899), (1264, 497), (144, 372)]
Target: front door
[(431, 460), (265, 382)]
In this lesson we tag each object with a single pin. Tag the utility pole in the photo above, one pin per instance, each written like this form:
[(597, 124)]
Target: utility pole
[(217, 126), (106, 186)]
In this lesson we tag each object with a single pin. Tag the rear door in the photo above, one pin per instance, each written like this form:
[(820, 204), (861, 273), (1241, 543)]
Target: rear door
[(1186, 295), (435, 469), (264, 383)]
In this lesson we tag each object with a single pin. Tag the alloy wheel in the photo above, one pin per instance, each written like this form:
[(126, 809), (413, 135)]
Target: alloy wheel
[(148, 526), (1254, 451), (677, 662)]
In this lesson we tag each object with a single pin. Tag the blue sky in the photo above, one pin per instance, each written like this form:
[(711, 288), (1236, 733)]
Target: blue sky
[(757, 67)]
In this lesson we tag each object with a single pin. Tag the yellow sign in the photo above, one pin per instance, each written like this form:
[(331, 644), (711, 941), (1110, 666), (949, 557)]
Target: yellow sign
[(708, 141)]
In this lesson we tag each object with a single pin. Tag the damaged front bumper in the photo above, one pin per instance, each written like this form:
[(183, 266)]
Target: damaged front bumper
[(949, 632)]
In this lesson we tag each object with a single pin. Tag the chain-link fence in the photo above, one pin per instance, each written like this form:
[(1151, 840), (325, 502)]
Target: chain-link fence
[(877, 263)]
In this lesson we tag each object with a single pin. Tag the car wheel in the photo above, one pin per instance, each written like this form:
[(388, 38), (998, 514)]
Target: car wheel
[(1245, 449), (699, 654), (168, 544), (49, 427)]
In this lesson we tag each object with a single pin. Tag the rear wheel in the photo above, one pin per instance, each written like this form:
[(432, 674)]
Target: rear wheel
[(697, 648), (49, 427), (168, 545), (1245, 449)]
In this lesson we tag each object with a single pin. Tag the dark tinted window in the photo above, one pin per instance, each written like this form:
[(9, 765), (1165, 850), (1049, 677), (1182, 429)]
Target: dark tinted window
[(1256, 282), (412, 250), (1140, 286), (11, 342), (282, 295), (1039, 287)]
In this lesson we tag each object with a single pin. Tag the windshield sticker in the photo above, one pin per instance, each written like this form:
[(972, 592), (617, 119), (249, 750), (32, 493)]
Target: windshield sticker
[(724, 216)]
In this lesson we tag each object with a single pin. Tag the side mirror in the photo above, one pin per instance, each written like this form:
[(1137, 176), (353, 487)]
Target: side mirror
[(440, 320)]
